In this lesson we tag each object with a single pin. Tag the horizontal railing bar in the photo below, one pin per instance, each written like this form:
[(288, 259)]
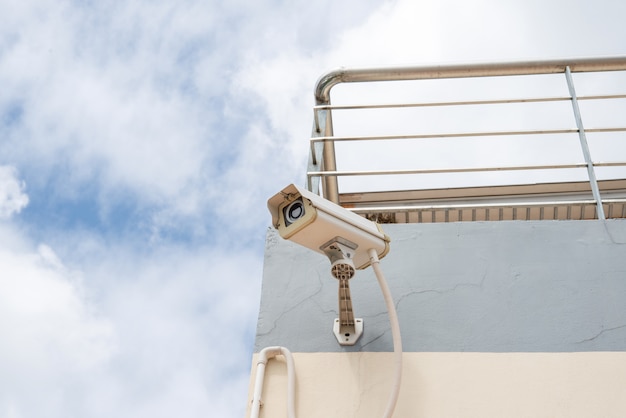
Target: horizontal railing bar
[(445, 170), (438, 104), (602, 97), (610, 164), (415, 208), (345, 75), (462, 134), (464, 103), (603, 130)]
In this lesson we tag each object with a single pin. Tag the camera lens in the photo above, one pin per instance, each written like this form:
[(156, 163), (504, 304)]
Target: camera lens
[(294, 211)]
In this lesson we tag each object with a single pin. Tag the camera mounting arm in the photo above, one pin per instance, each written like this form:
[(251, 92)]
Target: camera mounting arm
[(347, 328)]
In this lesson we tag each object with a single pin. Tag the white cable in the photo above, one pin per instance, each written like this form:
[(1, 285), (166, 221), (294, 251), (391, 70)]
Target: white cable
[(395, 332), (270, 352), (264, 356)]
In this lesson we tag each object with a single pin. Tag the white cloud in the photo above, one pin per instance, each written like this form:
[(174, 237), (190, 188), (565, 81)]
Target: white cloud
[(99, 117), (12, 196), (182, 319), (52, 337), (129, 335), (124, 99)]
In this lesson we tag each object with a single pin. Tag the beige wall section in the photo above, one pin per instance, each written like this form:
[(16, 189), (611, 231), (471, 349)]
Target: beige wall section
[(342, 385)]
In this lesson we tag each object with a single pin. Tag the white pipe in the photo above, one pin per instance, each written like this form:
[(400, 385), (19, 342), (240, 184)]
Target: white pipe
[(395, 332), (264, 356), (270, 352)]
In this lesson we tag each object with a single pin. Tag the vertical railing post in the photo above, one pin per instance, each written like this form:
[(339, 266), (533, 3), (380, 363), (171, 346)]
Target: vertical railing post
[(322, 155), (595, 190), (316, 152), (331, 184)]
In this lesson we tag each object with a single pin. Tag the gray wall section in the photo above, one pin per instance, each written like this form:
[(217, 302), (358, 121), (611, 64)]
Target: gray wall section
[(520, 286)]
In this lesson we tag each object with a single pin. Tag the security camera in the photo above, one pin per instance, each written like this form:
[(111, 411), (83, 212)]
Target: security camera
[(346, 238), (322, 226)]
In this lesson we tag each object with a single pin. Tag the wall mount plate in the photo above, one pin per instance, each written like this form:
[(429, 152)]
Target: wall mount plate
[(348, 335)]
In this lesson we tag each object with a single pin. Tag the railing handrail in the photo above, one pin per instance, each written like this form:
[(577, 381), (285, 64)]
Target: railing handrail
[(356, 75), (322, 164)]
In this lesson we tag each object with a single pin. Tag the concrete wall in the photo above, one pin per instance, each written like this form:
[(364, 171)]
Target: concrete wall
[(497, 318)]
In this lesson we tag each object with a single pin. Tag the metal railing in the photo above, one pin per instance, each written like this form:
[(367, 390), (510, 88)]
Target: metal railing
[(323, 173)]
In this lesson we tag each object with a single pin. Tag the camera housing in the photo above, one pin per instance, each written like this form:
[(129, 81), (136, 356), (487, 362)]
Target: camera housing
[(346, 238), (322, 226)]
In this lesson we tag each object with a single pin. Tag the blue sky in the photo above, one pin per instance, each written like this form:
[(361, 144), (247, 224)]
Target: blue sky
[(139, 142)]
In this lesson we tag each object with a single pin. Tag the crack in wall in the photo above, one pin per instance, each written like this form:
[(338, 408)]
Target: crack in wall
[(284, 312), (602, 331), (443, 291), (373, 340)]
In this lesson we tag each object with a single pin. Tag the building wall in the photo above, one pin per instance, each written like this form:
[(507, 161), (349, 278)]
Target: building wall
[(497, 319)]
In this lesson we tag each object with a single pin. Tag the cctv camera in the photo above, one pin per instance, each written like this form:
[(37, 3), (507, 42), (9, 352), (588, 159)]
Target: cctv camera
[(345, 238), (322, 226)]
